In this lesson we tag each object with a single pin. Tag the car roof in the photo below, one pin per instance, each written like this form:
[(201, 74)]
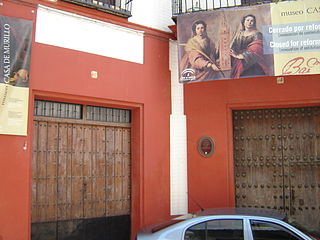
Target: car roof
[(258, 212)]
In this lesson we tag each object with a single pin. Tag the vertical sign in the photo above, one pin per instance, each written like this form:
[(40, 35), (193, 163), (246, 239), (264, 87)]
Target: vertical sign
[(15, 47)]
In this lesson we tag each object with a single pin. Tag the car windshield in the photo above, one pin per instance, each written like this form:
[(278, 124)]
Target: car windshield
[(157, 227)]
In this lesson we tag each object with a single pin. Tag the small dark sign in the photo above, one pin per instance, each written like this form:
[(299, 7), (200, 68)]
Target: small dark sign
[(206, 146)]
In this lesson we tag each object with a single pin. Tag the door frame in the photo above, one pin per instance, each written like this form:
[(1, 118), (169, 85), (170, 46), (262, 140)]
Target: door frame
[(252, 106), (137, 157)]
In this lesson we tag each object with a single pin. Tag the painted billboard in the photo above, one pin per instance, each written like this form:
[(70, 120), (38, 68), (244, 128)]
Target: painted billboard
[(262, 40), (15, 45)]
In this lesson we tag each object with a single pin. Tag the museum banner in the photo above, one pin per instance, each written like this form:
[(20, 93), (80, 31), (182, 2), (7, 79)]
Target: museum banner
[(16, 40), (275, 39)]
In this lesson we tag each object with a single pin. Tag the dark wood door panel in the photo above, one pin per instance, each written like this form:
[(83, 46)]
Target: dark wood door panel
[(301, 151), (277, 158), (80, 172), (258, 161)]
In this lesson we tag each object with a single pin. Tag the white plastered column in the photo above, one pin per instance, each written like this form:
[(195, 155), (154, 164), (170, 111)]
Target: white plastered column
[(178, 141)]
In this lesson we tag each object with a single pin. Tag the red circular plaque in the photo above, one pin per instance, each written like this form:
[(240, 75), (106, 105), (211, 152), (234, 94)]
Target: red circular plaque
[(206, 146)]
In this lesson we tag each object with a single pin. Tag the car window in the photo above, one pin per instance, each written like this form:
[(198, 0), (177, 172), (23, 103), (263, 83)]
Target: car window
[(196, 232), (262, 230), (231, 229)]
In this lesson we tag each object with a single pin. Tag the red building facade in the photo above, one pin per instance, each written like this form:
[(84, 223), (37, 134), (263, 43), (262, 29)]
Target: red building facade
[(64, 75)]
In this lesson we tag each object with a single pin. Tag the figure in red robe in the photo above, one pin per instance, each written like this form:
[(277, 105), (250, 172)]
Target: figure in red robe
[(247, 51)]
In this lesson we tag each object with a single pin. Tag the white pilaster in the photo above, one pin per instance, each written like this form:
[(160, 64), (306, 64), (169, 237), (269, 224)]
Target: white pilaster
[(178, 141)]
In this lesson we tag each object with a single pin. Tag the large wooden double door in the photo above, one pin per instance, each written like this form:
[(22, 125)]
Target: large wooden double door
[(81, 181), (277, 161)]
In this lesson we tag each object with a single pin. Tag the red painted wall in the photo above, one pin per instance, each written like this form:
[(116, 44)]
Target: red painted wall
[(208, 107), (15, 163), (62, 74)]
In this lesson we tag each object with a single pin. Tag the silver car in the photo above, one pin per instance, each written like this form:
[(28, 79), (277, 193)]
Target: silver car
[(208, 225)]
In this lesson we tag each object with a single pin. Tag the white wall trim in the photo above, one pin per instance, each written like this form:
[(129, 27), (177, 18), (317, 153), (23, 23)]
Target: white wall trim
[(178, 141), (68, 30)]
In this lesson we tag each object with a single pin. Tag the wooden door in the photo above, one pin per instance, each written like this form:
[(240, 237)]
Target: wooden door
[(301, 152), (277, 161), (81, 177)]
